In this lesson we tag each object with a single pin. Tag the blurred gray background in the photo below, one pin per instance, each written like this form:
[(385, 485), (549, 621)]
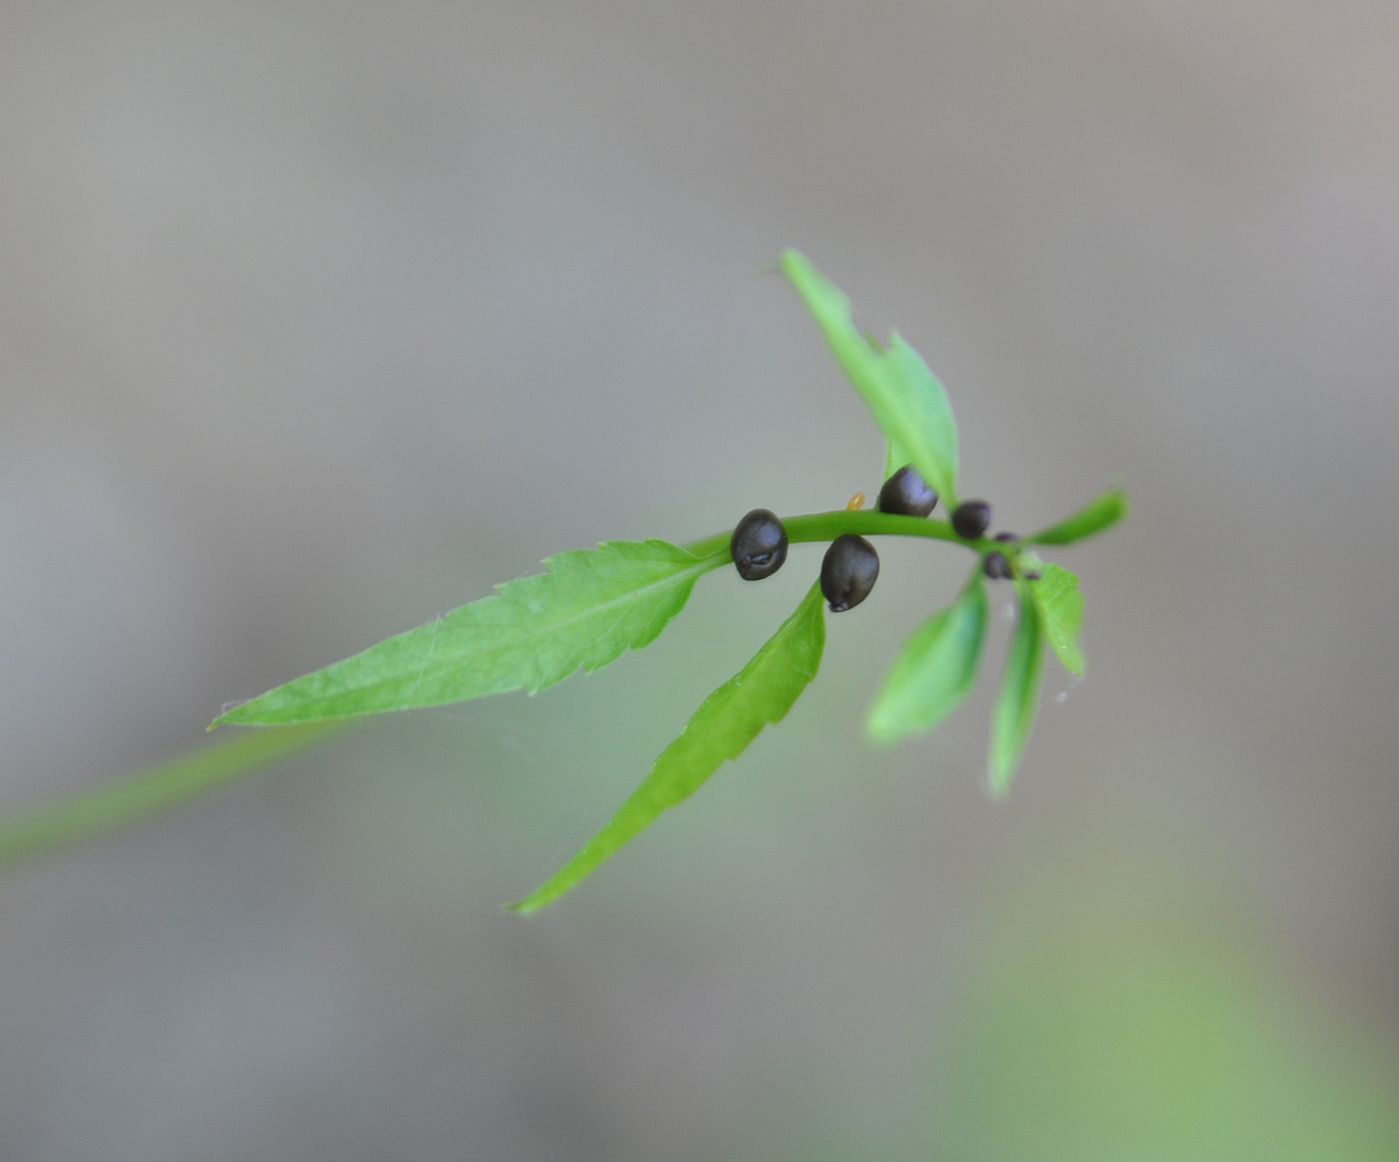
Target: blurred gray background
[(317, 320)]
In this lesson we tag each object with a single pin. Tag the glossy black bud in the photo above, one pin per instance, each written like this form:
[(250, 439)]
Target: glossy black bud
[(971, 519), (996, 567), (906, 493), (848, 572), (759, 545)]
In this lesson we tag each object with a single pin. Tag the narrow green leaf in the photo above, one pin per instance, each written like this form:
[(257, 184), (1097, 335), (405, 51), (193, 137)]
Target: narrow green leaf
[(1019, 697), (906, 399), (727, 721), (1061, 604), (935, 669), (588, 609), (122, 802), (1102, 514)]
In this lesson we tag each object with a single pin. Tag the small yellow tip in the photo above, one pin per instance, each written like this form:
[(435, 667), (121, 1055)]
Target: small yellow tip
[(855, 503)]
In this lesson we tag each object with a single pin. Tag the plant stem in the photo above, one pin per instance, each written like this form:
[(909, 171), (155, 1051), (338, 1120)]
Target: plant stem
[(118, 803), (826, 526)]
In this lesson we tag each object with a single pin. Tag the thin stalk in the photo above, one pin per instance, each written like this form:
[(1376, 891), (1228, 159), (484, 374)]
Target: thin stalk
[(826, 526), (118, 803)]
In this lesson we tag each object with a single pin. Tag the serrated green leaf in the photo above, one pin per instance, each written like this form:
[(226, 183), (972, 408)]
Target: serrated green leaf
[(588, 609), (1061, 604), (935, 669), (727, 721), (1019, 697), (1102, 514), (906, 399)]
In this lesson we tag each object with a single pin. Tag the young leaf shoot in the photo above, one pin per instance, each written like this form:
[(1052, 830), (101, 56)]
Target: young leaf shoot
[(1097, 517), (935, 670), (1019, 697), (906, 399), (1061, 605)]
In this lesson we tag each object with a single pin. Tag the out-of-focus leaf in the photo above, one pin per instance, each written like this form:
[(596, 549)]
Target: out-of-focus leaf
[(727, 721), (906, 399), (1019, 697), (1102, 514), (935, 669), (588, 609), (1060, 602)]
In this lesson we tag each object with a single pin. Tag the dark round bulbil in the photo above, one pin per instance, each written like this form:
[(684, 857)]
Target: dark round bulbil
[(996, 567), (848, 572), (906, 493), (971, 519), (759, 545)]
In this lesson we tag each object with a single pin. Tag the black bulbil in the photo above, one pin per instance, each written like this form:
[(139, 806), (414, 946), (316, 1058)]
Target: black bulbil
[(759, 545), (971, 519), (996, 567), (848, 572), (906, 493)]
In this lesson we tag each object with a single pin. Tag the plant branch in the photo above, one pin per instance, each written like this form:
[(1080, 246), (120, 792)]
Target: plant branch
[(826, 526)]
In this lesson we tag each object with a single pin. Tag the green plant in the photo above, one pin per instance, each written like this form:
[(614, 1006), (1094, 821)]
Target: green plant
[(591, 606)]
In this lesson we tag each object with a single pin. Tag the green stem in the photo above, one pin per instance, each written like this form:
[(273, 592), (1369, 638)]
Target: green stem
[(118, 803), (826, 526)]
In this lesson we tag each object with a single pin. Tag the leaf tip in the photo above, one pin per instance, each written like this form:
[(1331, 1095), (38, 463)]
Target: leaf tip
[(880, 735), (882, 727), (1118, 504), (228, 714), (536, 901), (998, 784), (791, 257)]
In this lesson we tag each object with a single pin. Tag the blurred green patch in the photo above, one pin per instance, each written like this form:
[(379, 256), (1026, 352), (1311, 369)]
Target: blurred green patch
[(1130, 1031)]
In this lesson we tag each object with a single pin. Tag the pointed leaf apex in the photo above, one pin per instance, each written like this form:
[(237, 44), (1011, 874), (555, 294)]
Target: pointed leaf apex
[(905, 398)]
